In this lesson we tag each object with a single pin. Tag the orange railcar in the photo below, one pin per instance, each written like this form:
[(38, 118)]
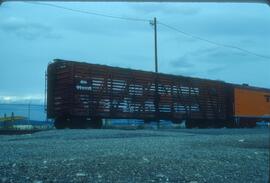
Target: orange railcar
[(250, 105)]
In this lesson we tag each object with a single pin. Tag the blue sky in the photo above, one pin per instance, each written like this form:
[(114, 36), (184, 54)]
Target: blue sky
[(32, 35)]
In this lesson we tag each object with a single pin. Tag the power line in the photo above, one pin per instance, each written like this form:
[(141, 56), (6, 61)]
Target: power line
[(161, 23), (213, 42), (90, 13)]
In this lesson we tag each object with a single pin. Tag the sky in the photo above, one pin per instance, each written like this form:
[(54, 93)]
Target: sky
[(32, 35)]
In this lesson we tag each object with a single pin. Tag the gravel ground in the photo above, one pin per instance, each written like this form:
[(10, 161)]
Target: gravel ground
[(179, 155)]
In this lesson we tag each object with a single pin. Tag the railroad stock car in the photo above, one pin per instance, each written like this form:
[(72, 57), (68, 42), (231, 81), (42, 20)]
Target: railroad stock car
[(80, 95)]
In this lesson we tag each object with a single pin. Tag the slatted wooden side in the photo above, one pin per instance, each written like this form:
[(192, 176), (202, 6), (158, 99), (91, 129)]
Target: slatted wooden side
[(82, 89)]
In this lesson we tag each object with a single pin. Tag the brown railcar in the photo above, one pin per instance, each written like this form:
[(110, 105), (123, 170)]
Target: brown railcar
[(81, 94)]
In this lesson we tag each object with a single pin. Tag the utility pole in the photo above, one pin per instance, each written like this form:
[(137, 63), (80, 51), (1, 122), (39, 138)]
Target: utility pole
[(156, 59), (154, 23)]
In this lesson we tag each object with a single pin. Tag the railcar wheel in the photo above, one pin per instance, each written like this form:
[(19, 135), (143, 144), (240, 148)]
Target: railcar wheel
[(60, 123)]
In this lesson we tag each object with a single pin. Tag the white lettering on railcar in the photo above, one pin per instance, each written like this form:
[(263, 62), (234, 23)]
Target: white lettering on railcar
[(83, 88), (83, 82)]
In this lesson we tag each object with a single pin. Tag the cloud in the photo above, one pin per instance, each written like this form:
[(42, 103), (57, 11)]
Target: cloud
[(184, 65), (235, 27), (26, 29), (215, 70), (182, 62), (211, 62), (102, 26), (161, 8), (229, 57), (221, 55)]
